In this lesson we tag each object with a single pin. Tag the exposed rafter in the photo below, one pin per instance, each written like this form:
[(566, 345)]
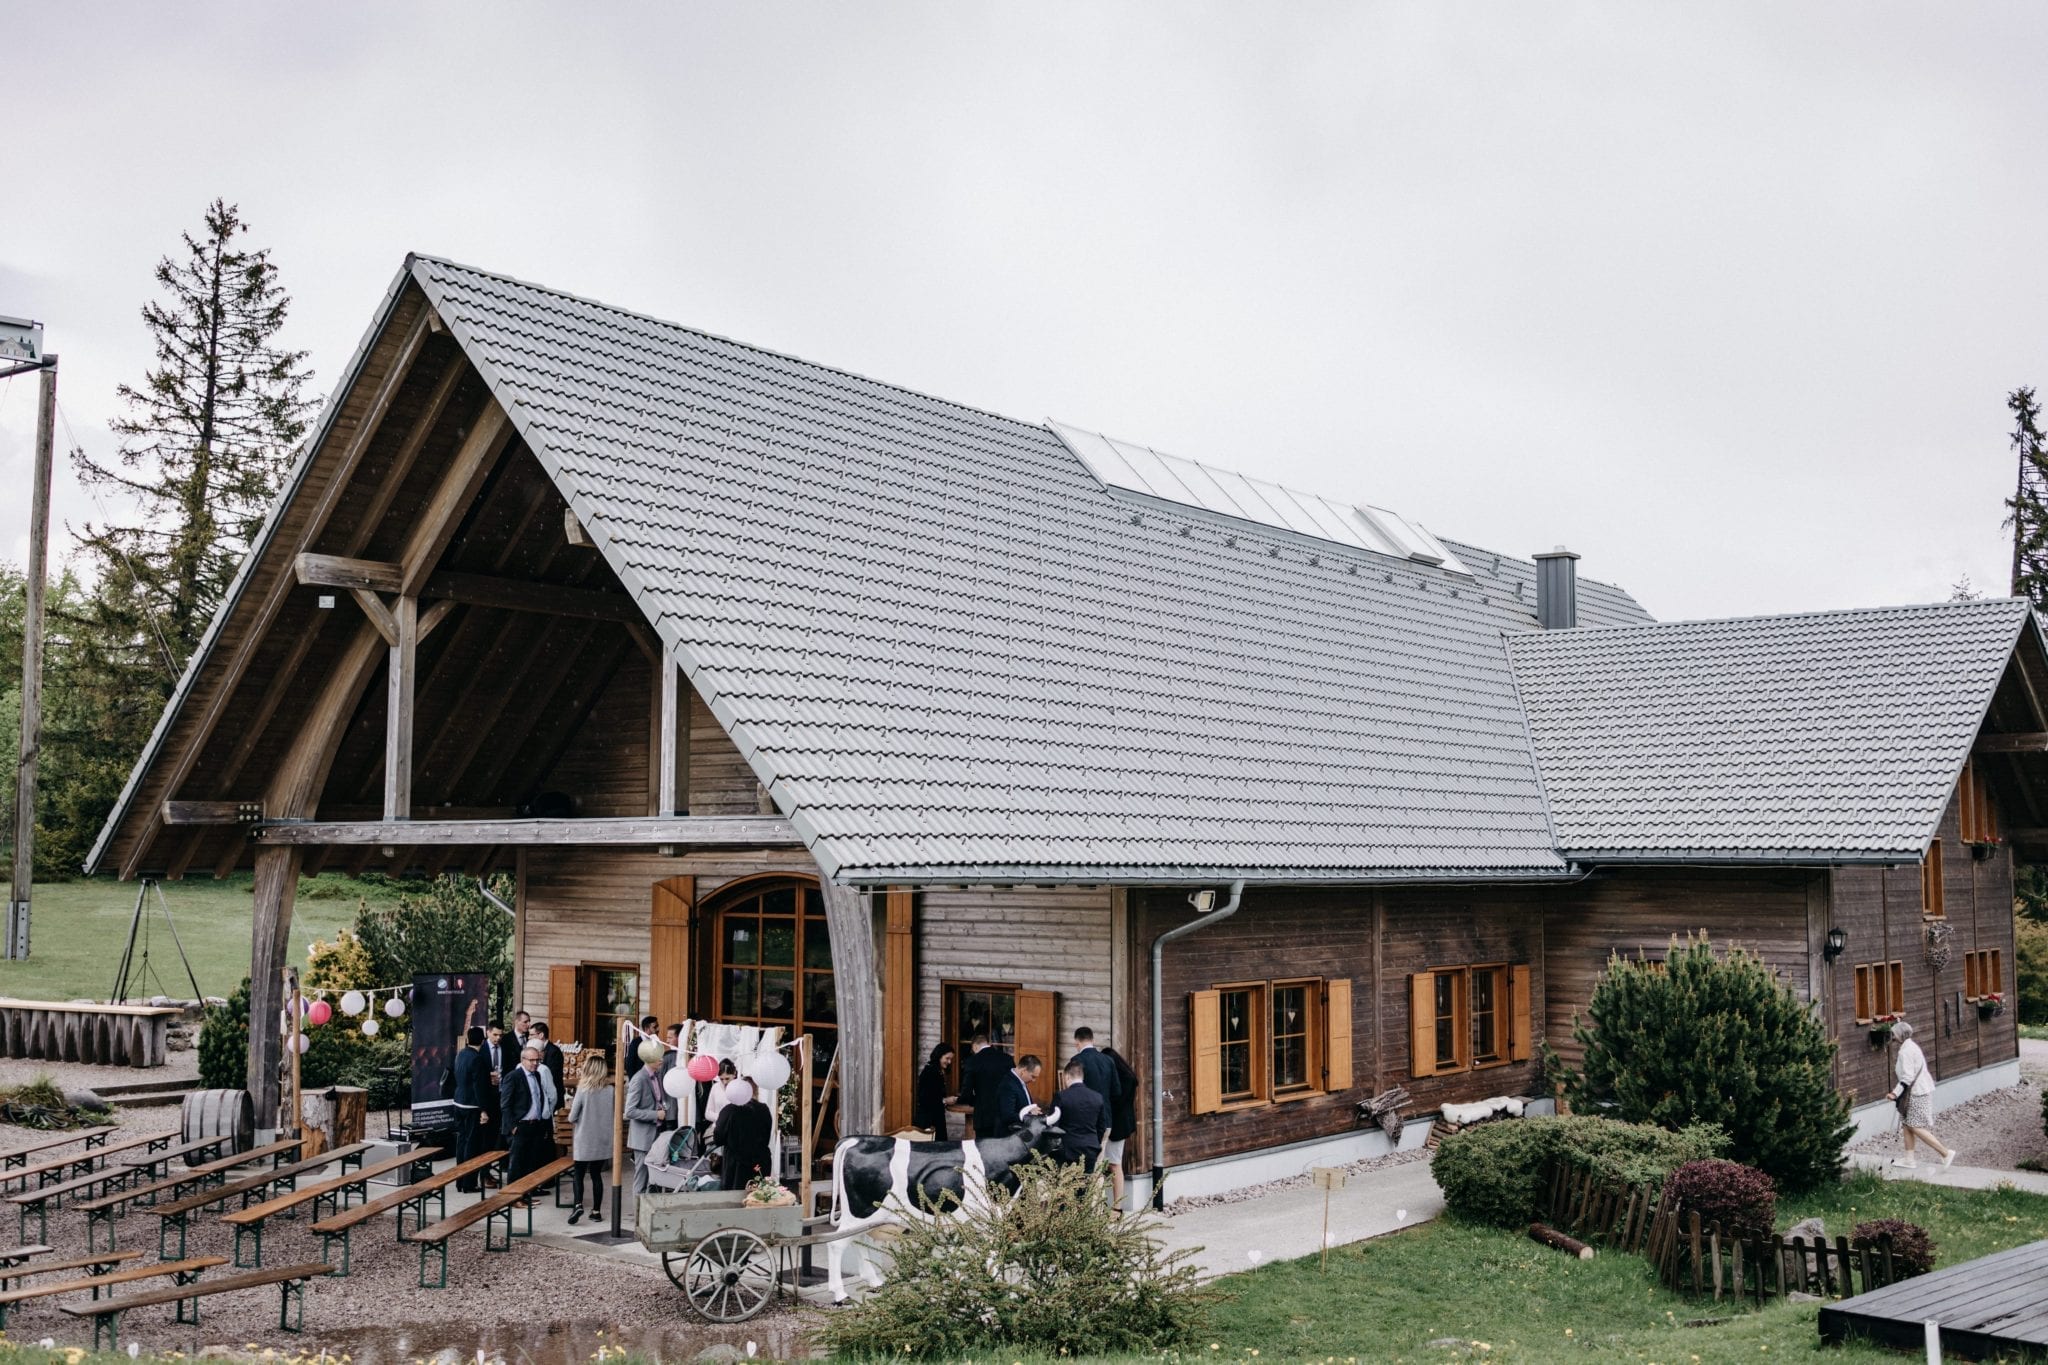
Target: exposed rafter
[(688, 831)]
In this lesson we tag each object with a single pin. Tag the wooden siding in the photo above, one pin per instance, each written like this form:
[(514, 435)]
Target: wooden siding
[(721, 783), (1054, 939), (604, 769)]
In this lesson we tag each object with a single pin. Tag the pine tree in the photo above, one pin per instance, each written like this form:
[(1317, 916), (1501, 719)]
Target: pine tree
[(2027, 509), (205, 442)]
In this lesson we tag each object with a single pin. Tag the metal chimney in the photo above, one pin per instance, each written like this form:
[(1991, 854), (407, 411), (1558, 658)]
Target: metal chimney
[(1557, 589)]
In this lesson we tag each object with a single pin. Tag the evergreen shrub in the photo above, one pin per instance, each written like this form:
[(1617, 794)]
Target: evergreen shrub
[(1912, 1247), (1707, 1037), (1740, 1198), (1498, 1173), (2030, 974), (1047, 1271), (224, 1043)]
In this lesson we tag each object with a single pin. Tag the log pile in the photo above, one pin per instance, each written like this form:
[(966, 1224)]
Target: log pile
[(1384, 1110)]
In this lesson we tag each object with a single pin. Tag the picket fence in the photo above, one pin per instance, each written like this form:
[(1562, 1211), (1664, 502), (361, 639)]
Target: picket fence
[(1697, 1258)]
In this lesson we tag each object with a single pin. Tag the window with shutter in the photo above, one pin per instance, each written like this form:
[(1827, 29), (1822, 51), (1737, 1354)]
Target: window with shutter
[(1863, 1005), (1469, 1018)]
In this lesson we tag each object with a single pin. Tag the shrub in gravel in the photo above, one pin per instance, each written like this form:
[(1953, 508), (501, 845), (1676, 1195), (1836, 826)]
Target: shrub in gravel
[(1912, 1248), (1498, 1173), (1047, 1270), (224, 1043), (1742, 1199), (1715, 1037)]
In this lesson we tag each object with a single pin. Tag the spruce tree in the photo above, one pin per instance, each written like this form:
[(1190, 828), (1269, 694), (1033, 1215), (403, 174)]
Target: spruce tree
[(2027, 509)]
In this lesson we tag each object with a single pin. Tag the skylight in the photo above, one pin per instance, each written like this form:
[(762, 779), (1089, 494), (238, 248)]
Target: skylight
[(1140, 469)]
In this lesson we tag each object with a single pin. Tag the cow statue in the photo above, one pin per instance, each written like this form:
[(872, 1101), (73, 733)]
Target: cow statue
[(885, 1180)]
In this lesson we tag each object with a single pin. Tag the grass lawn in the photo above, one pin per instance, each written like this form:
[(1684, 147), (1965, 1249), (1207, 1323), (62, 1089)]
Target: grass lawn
[(2037, 1032), (78, 929), (1387, 1299)]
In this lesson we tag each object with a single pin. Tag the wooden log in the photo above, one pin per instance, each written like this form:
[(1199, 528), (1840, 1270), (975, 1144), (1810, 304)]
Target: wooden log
[(1551, 1237), (1842, 1260), (1737, 1286), (1714, 1257), (1884, 1251)]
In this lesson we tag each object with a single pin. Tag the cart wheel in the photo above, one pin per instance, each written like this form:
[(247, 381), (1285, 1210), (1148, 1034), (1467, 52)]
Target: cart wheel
[(729, 1276)]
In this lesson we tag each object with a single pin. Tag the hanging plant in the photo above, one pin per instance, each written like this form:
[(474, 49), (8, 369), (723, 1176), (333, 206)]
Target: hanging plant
[(1937, 939), (1991, 1005)]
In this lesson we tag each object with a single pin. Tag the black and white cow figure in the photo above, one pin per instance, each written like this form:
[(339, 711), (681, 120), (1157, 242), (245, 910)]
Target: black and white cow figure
[(885, 1180)]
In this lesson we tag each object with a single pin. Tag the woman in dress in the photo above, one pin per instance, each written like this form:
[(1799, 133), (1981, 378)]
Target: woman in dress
[(715, 1096), (1918, 1084), (741, 1133), (929, 1110)]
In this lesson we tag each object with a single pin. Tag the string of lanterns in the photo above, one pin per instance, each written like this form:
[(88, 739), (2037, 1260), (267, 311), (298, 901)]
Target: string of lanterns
[(768, 1070), (317, 1012)]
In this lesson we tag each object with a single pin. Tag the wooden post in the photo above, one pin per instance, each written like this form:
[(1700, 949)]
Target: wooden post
[(856, 973), (292, 1005), (899, 1013), (624, 1033), (405, 618), (277, 883), (16, 935), (808, 1150)]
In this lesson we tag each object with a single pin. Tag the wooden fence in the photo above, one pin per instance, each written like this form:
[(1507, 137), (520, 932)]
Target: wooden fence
[(1694, 1257)]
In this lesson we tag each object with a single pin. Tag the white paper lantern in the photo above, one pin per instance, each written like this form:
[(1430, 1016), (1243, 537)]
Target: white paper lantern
[(302, 1042), (370, 1027), (651, 1051), (770, 1071), (394, 1007), (677, 1082), (352, 1002)]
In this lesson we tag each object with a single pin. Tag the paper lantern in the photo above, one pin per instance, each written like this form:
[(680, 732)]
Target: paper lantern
[(703, 1067), (651, 1050), (302, 1042), (770, 1071), (352, 1002), (370, 1027), (320, 1013), (677, 1083), (394, 1007)]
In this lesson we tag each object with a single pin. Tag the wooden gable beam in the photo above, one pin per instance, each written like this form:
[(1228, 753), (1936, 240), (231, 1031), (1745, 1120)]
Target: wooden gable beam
[(366, 578), (488, 436), (2017, 742), (694, 831)]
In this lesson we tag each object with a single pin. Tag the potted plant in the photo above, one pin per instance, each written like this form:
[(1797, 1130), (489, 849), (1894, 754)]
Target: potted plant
[(766, 1192), (1990, 1004), (1881, 1028)]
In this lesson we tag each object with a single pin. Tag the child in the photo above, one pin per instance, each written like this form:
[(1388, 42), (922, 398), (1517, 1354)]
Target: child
[(590, 1117)]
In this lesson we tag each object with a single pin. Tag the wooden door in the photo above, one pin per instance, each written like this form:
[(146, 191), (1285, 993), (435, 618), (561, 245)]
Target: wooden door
[(667, 996), (1038, 1035), (562, 1003)]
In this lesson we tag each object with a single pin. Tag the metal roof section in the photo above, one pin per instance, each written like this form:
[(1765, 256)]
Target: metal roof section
[(960, 659), (1825, 736), (1141, 469)]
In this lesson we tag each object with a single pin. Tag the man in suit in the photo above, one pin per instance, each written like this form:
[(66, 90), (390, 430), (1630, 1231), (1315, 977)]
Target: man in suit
[(522, 1024), (647, 1104), (648, 1025), (1097, 1071), (529, 1100), (981, 1082), (1082, 1119), (473, 1094), (1013, 1098), (550, 1055)]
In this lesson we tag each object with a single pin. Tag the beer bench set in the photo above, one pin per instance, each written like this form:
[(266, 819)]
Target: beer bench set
[(250, 1189), (90, 1176), (487, 1210), (102, 1212)]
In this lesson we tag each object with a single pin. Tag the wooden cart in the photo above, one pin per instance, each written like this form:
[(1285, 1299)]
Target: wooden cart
[(728, 1257)]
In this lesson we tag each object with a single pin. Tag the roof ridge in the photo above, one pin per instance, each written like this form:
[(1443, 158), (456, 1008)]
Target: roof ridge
[(412, 256), (1524, 559), (1974, 604)]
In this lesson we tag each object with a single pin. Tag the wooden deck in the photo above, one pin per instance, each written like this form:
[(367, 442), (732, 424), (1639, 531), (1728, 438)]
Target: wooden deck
[(1994, 1306)]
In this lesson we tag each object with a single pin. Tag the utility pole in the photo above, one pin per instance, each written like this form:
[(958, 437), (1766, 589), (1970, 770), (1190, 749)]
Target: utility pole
[(21, 341)]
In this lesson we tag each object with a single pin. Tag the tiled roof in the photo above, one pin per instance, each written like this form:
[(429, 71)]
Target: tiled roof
[(1829, 733), (1600, 604), (949, 652)]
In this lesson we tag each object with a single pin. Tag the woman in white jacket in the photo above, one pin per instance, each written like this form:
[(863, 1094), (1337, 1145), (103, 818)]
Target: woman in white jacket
[(1918, 1084)]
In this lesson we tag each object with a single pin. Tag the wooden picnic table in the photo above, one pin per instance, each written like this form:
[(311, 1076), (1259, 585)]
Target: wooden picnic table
[(486, 1210), (113, 1277), (78, 1163), (291, 1305)]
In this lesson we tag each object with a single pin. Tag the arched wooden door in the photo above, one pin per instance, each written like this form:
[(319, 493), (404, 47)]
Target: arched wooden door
[(770, 960)]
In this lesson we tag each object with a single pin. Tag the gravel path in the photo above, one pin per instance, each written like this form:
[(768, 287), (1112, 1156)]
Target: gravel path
[(1293, 1182), (1996, 1131)]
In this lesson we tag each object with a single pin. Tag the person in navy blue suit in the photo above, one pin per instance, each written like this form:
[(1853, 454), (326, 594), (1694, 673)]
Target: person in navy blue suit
[(1015, 1104), (473, 1096)]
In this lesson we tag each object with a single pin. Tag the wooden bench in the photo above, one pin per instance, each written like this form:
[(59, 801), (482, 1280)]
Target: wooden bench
[(92, 1137), (486, 1211), (410, 1199), (107, 1207), (181, 1271), (14, 1256), (291, 1299), (78, 1163), (155, 1162), (178, 1213), (249, 1220), (38, 1201), (91, 1263)]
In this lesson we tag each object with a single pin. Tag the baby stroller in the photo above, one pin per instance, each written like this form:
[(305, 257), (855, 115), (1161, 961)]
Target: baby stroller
[(681, 1163)]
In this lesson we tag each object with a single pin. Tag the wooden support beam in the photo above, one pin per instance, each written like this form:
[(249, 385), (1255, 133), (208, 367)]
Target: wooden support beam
[(857, 975), (899, 1011), (668, 768), (212, 812), (364, 577), (693, 831), (343, 571), (404, 664), (2018, 742), (379, 615), (434, 616), (435, 526), (277, 884)]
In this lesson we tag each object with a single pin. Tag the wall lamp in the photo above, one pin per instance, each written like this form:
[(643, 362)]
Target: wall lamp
[(1837, 941)]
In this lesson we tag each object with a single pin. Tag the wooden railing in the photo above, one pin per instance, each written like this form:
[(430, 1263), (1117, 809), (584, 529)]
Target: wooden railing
[(1695, 1257)]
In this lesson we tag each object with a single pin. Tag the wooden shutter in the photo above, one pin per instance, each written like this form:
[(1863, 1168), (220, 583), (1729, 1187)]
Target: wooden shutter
[(1897, 1003), (562, 1002), (899, 1011), (1994, 973), (1521, 1014), (1930, 881), (1337, 1034), (1205, 1052), (1038, 1035), (668, 951), (1863, 994), (1971, 989), (1422, 1024)]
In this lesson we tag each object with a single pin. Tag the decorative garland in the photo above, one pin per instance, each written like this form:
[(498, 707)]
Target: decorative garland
[(355, 1001), (1938, 935)]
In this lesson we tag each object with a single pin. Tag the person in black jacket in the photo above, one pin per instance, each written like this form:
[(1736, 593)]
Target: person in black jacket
[(1123, 1122), (1082, 1119), (929, 1110), (1098, 1072), (742, 1133), (550, 1055), (473, 1092), (988, 1067), (528, 1100), (1013, 1098), (648, 1025)]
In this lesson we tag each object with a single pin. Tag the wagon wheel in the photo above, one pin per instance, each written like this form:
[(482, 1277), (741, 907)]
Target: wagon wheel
[(728, 1276)]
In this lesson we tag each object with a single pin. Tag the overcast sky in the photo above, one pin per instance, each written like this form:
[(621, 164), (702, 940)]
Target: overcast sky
[(1725, 297)]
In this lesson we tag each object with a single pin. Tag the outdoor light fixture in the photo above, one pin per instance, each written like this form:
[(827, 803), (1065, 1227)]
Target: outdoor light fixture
[(327, 601), (1837, 941), (1204, 901)]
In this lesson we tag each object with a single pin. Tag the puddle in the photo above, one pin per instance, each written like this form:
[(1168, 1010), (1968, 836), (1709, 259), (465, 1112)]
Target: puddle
[(774, 1337)]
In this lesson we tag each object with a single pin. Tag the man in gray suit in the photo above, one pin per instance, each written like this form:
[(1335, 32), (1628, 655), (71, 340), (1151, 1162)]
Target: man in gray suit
[(650, 1112)]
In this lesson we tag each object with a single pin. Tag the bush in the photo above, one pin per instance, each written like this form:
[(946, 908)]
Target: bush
[(449, 927), (1498, 1173), (2030, 978), (1740, 1198), (1912, 1248), (1718, 1039), (224, 1043), (1048, 1270)]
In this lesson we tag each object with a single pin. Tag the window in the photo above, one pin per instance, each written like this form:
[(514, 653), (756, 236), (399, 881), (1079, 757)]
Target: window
[(1974, 810), (774, 957), (1983, 973), (605, 994), (1260, 1042), (1930, 882), (1880, 991), (1016, 1020), (1468, 1018)]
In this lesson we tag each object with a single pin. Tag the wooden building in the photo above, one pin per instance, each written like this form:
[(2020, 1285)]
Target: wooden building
[(792, 697)]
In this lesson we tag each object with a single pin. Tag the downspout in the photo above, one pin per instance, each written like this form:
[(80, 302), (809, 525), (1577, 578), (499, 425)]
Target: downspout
[(1224, 912)]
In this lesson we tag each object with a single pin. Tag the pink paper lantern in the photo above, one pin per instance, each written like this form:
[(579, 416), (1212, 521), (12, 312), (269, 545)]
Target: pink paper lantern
[(319, 1014), (703, 1067)]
